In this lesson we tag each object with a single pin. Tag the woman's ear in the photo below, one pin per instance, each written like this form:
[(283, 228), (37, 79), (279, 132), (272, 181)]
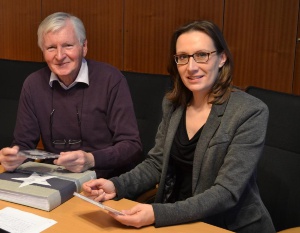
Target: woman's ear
[(223, 59)]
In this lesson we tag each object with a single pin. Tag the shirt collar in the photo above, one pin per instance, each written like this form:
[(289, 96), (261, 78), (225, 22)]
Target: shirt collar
[(82, 77)]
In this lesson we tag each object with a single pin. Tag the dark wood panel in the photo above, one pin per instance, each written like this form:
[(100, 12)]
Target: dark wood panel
[(261, 35), (103, 21), (149, 25), (296, 81), (19, 20)]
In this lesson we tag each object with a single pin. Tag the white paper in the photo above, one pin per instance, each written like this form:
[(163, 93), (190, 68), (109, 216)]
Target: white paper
[(17, 221)]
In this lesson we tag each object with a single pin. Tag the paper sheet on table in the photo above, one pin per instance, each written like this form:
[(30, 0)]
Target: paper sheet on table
[(17, 221)]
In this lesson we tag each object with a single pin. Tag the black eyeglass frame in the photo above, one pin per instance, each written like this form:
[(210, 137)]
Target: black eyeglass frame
[(65, 141), (176, 56)]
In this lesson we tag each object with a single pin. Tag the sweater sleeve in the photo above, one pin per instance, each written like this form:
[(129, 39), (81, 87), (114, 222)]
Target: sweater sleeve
[(27, 130), (125, 149)]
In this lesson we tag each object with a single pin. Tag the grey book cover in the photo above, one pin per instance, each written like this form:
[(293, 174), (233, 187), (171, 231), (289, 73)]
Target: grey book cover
[(42, 186)]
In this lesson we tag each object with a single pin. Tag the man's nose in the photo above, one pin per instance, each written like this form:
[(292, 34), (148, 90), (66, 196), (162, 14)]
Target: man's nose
[(60, 53)]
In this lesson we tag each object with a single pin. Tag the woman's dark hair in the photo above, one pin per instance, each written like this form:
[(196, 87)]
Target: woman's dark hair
[(180, 95)]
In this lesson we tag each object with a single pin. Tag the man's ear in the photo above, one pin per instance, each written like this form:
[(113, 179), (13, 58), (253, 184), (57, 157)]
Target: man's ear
[(222, 60), (85, 48)]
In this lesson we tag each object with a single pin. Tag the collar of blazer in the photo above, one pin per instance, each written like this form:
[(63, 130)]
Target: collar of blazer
[(211, 125)]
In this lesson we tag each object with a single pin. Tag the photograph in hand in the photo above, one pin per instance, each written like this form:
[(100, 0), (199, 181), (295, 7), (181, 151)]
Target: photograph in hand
[(37, 154), (112, 210)]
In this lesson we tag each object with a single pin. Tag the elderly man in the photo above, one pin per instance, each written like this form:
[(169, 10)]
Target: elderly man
[(81, 109)]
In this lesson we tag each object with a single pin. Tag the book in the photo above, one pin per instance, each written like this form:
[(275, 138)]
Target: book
[(40, 185)]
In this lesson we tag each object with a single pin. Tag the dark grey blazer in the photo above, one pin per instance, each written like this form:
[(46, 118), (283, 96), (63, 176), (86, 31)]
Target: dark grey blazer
[(224, 187)]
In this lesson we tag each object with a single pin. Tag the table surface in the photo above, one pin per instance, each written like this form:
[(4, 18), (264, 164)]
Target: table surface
[(77, 215)]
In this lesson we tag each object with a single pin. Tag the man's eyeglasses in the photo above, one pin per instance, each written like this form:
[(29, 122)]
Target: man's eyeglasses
[(199, 57), (65, 141)]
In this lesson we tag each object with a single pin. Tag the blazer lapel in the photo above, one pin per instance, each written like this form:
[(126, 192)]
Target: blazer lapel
[(207, 133), (172, 128)]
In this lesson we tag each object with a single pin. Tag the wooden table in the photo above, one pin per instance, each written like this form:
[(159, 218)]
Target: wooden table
[(291, 230), (76, 215)]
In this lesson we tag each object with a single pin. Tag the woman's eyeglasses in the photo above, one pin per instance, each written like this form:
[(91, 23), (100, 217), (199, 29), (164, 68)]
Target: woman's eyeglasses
[(199, 57)]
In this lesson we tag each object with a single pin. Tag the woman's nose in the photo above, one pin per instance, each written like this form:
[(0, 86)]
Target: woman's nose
[(192, 64)]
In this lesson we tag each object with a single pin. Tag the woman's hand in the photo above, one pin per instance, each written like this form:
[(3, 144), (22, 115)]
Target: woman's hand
[(138, 216), (99, 189)]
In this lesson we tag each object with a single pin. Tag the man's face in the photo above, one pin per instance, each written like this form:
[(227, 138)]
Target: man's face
[(63, 53)]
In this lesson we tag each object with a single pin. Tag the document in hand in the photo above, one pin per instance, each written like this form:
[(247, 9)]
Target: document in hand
[(42, 186)]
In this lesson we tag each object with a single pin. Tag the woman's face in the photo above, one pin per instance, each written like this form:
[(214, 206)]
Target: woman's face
[(198, 77)]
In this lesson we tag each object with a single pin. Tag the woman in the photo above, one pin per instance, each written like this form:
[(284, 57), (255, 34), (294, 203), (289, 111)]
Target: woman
[(206, 149)]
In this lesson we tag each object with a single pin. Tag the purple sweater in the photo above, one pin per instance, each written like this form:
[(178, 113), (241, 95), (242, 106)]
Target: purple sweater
[(108, 126)]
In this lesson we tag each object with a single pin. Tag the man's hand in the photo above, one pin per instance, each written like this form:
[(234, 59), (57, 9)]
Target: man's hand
[(9, 158), (75, 161)]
